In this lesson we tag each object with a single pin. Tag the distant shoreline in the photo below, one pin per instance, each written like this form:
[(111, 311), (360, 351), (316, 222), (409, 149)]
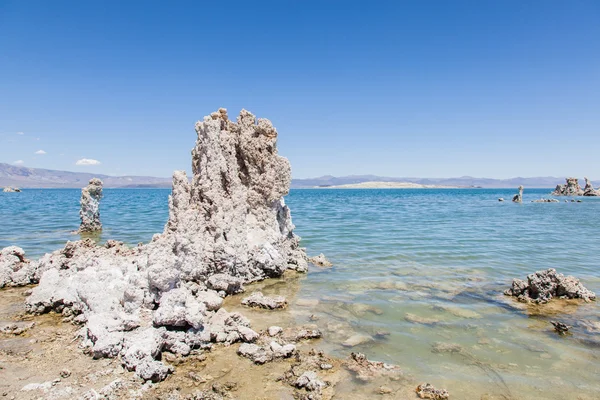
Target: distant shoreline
[(390, 185)]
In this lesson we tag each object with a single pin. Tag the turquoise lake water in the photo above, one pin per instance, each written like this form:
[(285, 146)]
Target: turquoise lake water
[(427, 266)]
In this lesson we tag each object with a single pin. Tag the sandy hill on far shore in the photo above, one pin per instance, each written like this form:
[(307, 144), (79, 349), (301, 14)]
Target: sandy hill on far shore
[(387, 185)]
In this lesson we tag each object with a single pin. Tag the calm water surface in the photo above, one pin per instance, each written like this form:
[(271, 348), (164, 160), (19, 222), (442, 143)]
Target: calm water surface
[(426, 266)]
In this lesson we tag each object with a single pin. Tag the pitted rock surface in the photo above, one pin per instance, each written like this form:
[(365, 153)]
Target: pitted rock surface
[(543, 286), (15, 268), (259, 300), (90, 206), (227, 227), (589, 189), (427, 391), (571, 188)]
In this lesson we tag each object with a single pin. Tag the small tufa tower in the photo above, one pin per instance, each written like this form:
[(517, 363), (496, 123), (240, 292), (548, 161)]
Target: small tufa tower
[(90, 207), (518, 198)]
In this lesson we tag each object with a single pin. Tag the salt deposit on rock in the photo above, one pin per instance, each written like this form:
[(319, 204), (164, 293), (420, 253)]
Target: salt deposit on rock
[(310, 381), (15, 269), (542, 286), (518, 198), (274, 330), (90, 206), (227, 227), (571, 188)]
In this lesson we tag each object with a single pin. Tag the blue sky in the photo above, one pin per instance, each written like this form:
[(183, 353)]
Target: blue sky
[(400, 88)]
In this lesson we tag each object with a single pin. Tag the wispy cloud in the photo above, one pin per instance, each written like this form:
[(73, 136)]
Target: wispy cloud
[(40, 152), (20, 133), (19, 162), (87, 161)]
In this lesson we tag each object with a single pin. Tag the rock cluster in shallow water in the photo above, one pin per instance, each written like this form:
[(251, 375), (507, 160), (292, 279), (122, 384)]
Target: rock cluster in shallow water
[(227, 227), (589, 189), (543, 286), (90, 206), (320, 261), (570, 188)]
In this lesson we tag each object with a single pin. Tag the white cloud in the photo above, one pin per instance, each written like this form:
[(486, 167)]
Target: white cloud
[(20, 133), (18, 162), (40, 152), (87, 161)]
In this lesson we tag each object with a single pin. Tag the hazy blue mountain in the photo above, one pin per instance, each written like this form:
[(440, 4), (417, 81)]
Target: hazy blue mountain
[(23, 177)]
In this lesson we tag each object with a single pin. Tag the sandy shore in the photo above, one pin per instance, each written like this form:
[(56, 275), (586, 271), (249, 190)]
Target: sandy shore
[(46, 361)]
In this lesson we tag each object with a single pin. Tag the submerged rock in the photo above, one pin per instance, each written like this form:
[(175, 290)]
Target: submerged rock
[(542, 286), (320, 261), (356, 340), (366, 370), (417, 319), (589, 189), (90, 206), (227, 227), (560, 327), (441, 347), (571, 188), (259, 300), (545, 201), (518, 198), (427, 391)]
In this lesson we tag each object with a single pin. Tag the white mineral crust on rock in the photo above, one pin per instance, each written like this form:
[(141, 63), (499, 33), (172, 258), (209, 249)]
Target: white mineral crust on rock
[(15, 269), (227, 227), (90, 206)]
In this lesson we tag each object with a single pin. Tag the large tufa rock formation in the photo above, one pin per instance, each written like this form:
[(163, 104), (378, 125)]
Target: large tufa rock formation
[(232, 218), (90, 206), (10, 189), (518, 198), (542, 286), (571, 188), (589, 189), (229, 226)]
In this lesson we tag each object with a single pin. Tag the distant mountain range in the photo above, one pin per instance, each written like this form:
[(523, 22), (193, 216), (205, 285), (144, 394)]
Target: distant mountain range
[(463, 181), (23, 177)]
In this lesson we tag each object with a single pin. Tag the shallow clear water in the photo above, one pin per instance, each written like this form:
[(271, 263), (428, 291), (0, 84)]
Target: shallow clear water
[(427, 266)]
